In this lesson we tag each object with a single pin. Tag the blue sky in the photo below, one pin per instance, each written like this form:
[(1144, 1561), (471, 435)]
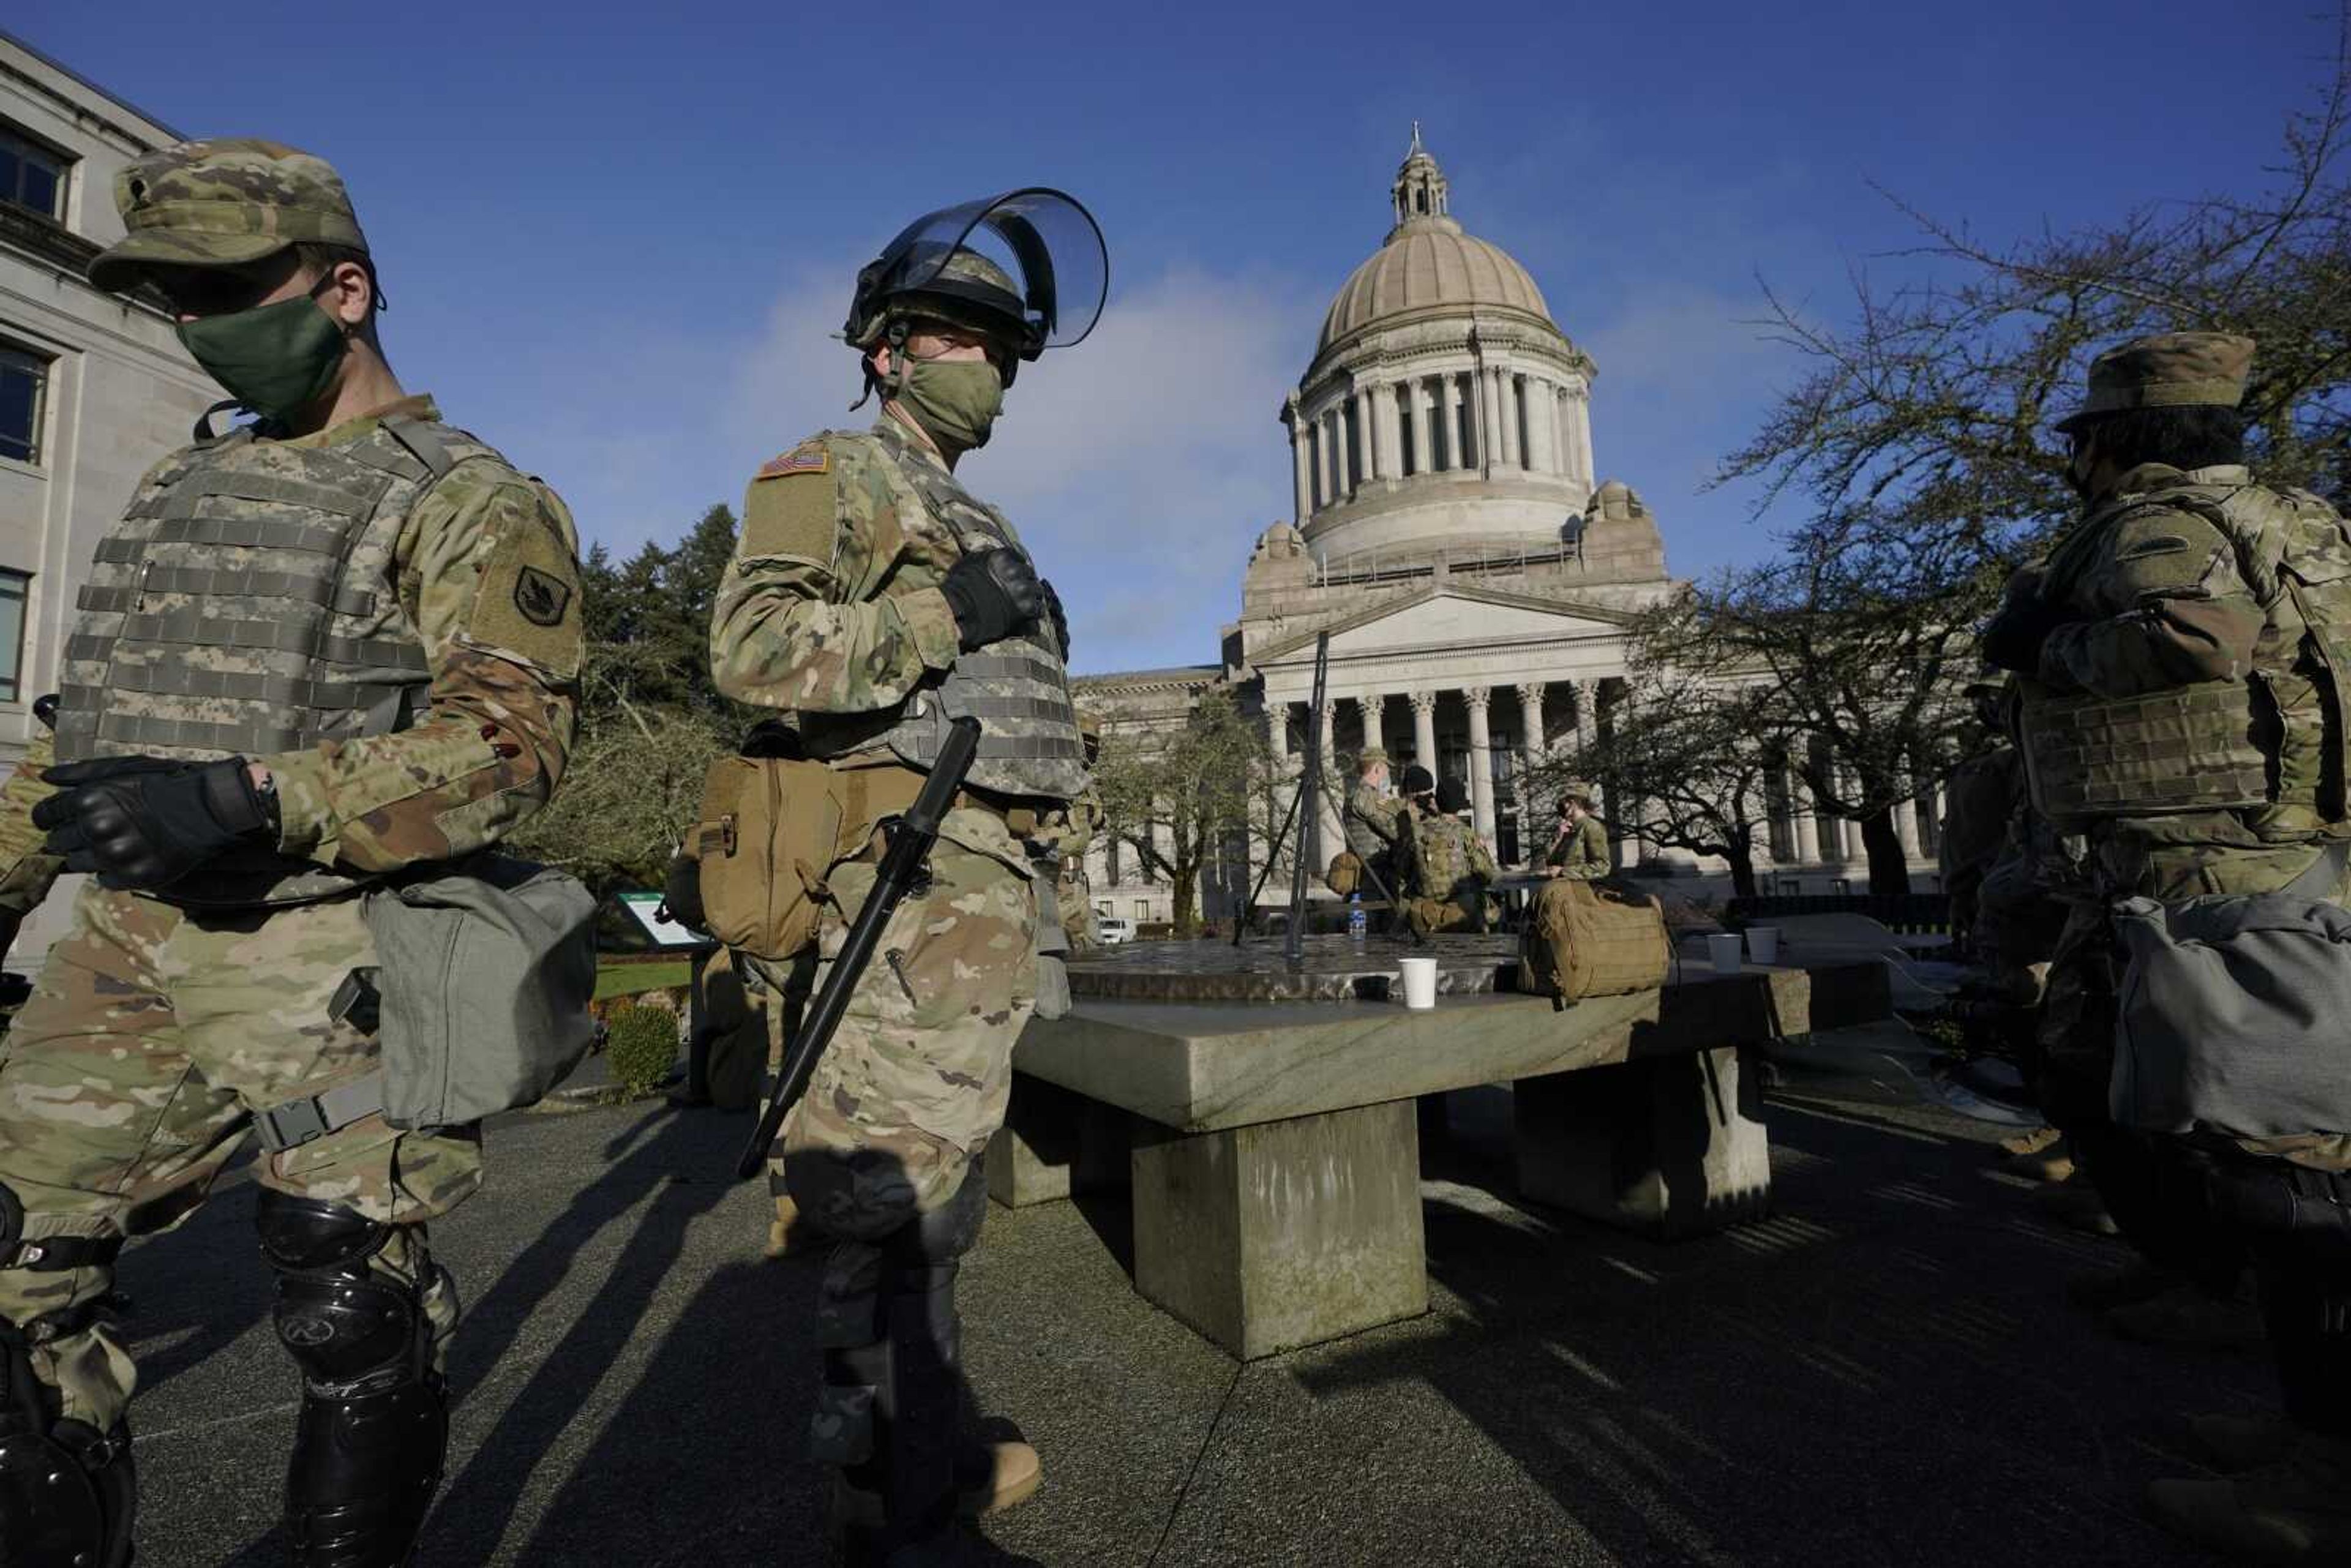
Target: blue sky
[(614, 236)]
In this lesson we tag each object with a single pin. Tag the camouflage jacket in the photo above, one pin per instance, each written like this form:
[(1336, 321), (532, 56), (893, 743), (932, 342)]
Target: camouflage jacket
[(831, 608), (491, 744), (1446, 852), (2160, 599), (25, 872), (1583, 854), (1376, 820), (1983, 794)]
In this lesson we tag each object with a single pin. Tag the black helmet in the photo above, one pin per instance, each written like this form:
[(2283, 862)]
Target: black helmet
[(1452, 795), (1043, 288), (1417, 780)]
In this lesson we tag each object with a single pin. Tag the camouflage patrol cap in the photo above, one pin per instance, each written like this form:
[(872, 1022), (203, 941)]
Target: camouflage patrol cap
[(1372, 755), (1578, 790), (223, 203), (2169, 369)]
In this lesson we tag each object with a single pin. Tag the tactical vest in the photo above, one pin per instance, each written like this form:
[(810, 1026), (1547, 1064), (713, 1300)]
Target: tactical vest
[(2274, 738), (243, 606), (1018, 687)]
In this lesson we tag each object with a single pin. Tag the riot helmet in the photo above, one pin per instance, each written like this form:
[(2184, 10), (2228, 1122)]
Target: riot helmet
[(1027, 268)]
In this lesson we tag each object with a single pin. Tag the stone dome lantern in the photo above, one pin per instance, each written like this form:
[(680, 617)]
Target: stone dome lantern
[(1444, 410)]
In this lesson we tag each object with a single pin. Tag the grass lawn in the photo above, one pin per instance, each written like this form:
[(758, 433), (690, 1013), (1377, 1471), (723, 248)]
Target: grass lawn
[(628, 979)]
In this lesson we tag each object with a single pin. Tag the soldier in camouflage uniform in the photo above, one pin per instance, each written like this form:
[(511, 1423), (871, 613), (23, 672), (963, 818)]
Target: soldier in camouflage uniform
[(2180, 656), (319, 651), (1452, 866), (1580, 852), (1375, 821), (871, 597), (1073, 834)]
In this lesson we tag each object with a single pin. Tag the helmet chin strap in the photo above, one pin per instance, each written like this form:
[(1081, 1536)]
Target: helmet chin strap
[(895, 335)]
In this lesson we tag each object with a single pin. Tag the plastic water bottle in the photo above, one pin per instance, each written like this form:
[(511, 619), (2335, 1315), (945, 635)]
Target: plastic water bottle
[(1359, 925)]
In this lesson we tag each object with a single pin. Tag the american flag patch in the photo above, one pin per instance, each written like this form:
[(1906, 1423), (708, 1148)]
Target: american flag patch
[(811, 458)]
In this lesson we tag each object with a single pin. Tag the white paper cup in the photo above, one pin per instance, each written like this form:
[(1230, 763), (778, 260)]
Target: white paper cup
[(1419, 982), (1763, 944), (1722, 947)]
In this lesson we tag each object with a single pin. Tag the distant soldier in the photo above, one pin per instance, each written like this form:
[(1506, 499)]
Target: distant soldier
[(1073, 835), (1455, 868), (1579, 850), (1983, 791), (331, 648), (1375, 821), (871, 599), (2182, 670)]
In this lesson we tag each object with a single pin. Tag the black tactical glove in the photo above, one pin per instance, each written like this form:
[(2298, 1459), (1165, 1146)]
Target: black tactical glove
[(2012, 638), (993, 594), (1061, 621), (147, 822)]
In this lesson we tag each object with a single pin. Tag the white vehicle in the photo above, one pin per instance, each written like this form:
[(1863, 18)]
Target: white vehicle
[(1113, 928)]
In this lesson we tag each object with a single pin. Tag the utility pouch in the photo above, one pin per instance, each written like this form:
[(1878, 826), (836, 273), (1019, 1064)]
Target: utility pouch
[(771, 830), (484, 977), (1346, 873), (2229, 1018)]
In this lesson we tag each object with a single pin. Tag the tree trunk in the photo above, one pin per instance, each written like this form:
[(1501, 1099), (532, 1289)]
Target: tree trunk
[(1180, 887), (1889, 868), (1741, 857)]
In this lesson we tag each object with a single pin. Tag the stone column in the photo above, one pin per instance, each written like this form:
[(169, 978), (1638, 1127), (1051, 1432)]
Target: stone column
[(1490, 419), (1506, 407), (1369, 707), (1563, 448), (1392, 420), (1424, 456), (1334, 437), (1533, 743), (1807, 820), (1448, 415), (1541, 425), (1330, 836), (1301, 485), (1481, 764), (1587, 712), (1424, 730), (1579, 433), (1366, 440), (1905, 826)]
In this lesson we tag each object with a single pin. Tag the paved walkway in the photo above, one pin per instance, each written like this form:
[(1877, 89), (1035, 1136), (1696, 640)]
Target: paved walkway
[(1885, 1373)]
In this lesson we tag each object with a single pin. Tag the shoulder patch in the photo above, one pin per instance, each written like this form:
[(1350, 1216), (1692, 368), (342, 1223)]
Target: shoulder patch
[(808, 457)]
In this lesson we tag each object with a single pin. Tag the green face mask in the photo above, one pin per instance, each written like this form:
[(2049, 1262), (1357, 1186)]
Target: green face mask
[(954, 401), (275, 358)]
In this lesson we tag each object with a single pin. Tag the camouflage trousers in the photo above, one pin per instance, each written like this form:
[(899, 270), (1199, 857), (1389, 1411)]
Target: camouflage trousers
[(913, 1086), (128, 1081)]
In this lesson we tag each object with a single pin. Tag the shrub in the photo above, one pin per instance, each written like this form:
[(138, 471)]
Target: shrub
[(640, 1044)]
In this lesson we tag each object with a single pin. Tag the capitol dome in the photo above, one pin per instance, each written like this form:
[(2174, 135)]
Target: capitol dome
[(1428, 265), (1444, 410)]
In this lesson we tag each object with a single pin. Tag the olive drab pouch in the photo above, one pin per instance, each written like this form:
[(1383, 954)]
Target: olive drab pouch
[(767, 834), (1585, 940), (1345, 874), (2230, 1016), (484, 974)]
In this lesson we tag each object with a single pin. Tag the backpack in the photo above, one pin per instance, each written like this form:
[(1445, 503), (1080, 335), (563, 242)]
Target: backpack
[(1588, 941)]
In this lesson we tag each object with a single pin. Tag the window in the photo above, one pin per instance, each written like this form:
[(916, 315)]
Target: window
[(22, 378), (32, 176), (13, 585)]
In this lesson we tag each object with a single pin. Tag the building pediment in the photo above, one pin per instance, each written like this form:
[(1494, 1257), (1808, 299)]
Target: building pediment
[(1453, 616)]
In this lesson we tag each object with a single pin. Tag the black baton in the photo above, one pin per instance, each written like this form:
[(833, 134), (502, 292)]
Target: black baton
[(911, 838)]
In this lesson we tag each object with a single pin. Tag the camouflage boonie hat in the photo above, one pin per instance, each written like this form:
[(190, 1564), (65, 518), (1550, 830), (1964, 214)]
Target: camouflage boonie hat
[(1578, 790), (1371, 755), (222, 202), (2171, 370)]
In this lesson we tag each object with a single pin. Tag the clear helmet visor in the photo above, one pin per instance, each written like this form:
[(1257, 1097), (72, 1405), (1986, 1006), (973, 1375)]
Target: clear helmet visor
[(1044, 240)]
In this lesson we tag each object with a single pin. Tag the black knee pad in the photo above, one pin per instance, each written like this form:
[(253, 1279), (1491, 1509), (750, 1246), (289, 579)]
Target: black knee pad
[(309, 1233), (67, 1493)]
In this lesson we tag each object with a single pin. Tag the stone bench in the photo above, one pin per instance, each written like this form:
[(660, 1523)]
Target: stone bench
[(1273, 1149)]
